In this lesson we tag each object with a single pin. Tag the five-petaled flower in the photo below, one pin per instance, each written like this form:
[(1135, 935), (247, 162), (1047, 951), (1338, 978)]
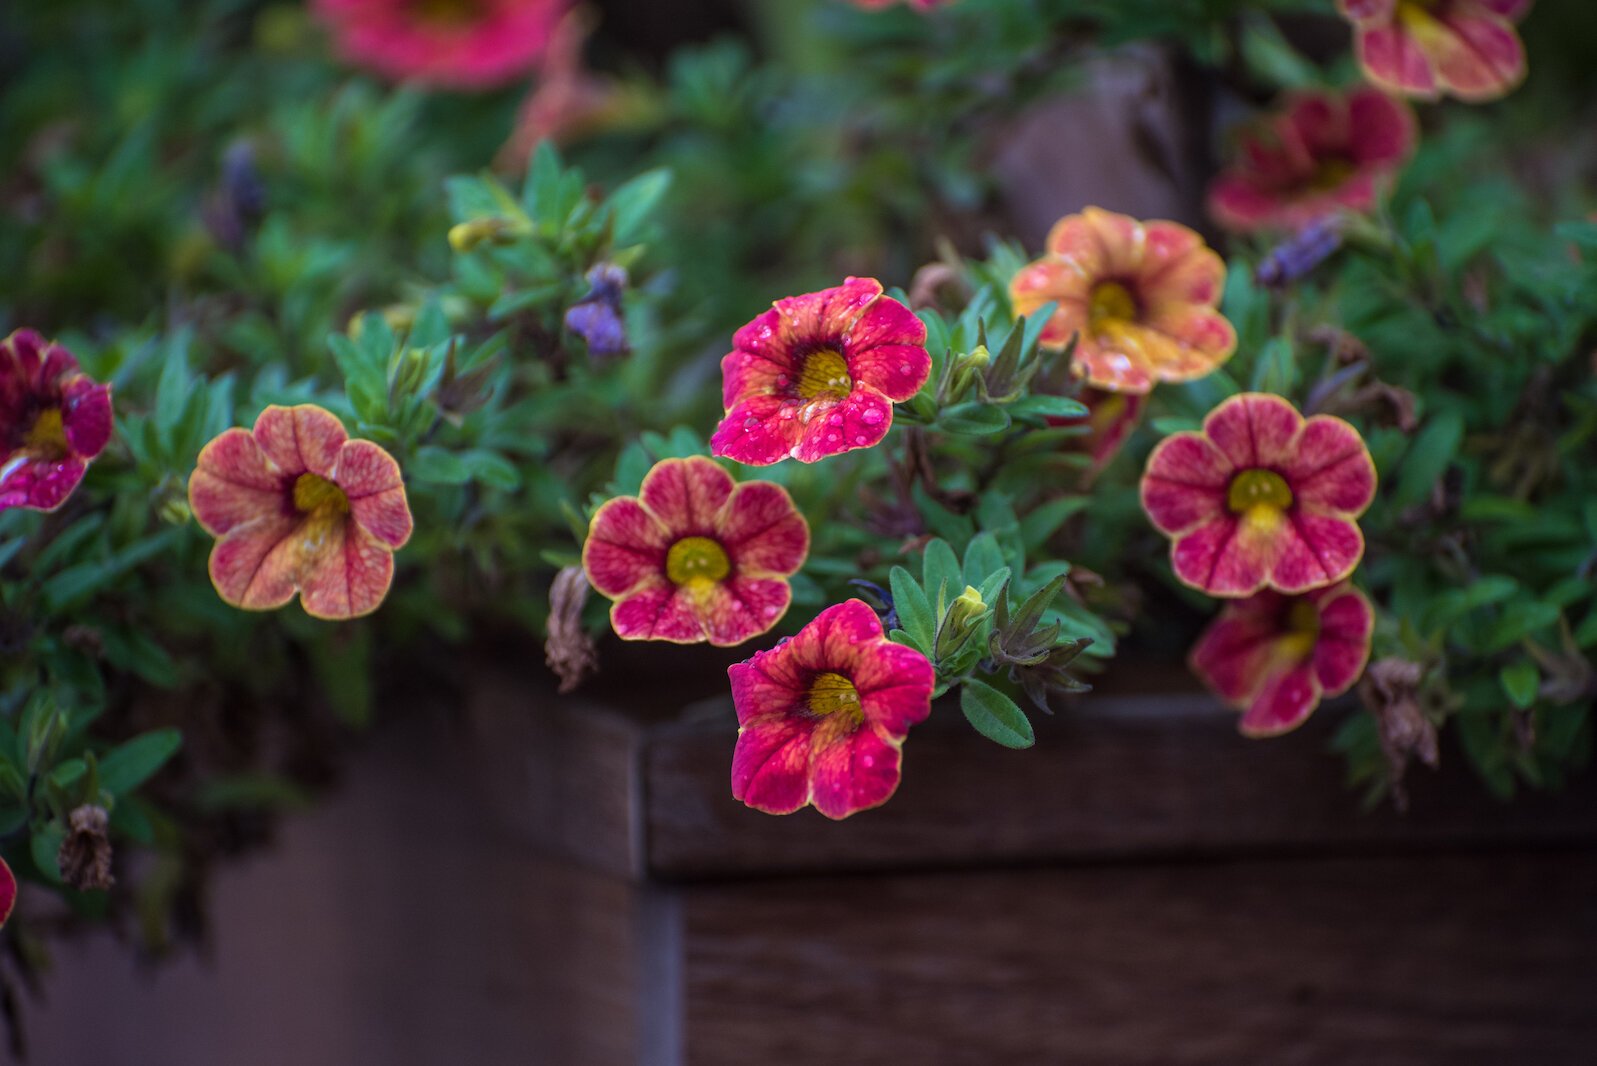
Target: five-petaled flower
[(1429, 48), (696, 556), (296, 505), (1275, 656), (818, 375), (1261, 498), (822, 717), (53, 422), (1139, 296), (1322, 153), (461, 44)]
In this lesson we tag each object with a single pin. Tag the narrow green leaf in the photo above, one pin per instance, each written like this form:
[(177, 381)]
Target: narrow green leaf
[(135, 762), (1520, 680), (914, 612), (995, 716)]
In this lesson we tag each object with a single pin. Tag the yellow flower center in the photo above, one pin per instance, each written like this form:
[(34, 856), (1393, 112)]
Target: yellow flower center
[(1259, 496), (47, 436), (832, 694), (1332, 174), (1303, 630), (1111, 303), (448, 12), (697, 561), (315, 495), (825, 373)]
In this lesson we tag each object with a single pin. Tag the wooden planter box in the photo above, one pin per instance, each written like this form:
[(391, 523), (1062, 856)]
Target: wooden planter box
[(1144, 886)]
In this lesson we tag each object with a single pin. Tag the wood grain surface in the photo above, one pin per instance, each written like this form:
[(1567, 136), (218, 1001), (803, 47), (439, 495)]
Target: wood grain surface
[(1488, 960)]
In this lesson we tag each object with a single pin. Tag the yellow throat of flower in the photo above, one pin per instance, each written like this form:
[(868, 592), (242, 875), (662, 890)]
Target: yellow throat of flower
[(448, 12), (315, 495), (1332, 174), (1261, 497), (825, 373), (1303, 630), (1111, 304), (47, 436), (834, 694), (698, 563)]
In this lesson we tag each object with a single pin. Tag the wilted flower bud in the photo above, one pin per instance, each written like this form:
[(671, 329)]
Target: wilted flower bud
[(238, 202), (1391, 691), (568, 650), (596, 318), (85, 855)]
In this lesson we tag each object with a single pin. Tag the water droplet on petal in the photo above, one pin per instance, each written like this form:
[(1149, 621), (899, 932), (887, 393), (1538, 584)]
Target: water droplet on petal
[(861, 439), (750, 422), (771, 610), (871, 415), (903, 368)]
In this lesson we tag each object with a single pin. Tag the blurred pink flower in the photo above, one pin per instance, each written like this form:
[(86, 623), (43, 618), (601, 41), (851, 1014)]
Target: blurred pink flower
[(457, 44)]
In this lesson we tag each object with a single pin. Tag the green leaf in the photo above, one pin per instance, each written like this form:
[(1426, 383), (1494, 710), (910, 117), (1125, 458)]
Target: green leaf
[(46, 848), (1042, 405), (995, 716), (492, 469), (438, 466), (914, 612), (974, 419), (1428, 458), (172, 391), (635, 202), (983, 558), (127, 767), (940, 566), (1520, 680)]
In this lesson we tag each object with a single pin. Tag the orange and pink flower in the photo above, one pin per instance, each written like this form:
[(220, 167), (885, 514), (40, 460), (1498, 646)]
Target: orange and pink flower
[(1274, 657), (1140, 296), (296, 506), (822, 717), (1323, 153), (459, 44), (1430, 48), (1261, 498), (696, 556), (53, 422), (818, 375)]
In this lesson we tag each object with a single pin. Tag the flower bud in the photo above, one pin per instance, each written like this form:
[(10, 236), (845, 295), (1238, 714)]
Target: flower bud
[(465, 236), (964, 616)]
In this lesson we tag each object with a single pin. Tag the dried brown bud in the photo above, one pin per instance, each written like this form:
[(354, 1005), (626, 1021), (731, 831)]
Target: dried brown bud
[(85, 855), (569, 651), (929, 281), (1391, 691)]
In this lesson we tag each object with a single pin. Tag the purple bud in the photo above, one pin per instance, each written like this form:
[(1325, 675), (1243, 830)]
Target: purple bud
[(1294, 258), (596, 318)]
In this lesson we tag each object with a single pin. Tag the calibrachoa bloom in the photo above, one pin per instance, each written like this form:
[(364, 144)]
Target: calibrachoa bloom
[(818, 375), (462, 44), (695, 556), (296, 505), (1110, 419), (1140, 295), (1275, 656), (1321, 154), (1428, 48), (822, 717), (53, 422), (1261, 498)]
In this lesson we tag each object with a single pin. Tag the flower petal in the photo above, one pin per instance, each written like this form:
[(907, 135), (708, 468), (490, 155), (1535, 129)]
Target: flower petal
[(371, 481), (742, 607), (1225, 557), (1234, 652), (1392, 59), (860, 420), (1477, 55), (1121, 237), (345, 571), (233, 483), (657, 611), (750, 370), (253, 565), (1347, 624), (826, 316), (851, 771), (1254, 429), (1185, 482), (761, 530), (8, 892), (300, 438), (1120, 360), (1332, 470), (86, 416), (895, 685), (1283, 702), (1202, 339), (1074, 241), (757, 431), (834, 640), (687, 495), (1196, 277), (771, 761), (1381, 130), (1315, 551), (886, 350), (626, 547), (39, 484)]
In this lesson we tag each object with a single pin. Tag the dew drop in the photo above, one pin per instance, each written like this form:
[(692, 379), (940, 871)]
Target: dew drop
[(770, 610), (861, 439), (903, 368), (871, 415), (750, 422)]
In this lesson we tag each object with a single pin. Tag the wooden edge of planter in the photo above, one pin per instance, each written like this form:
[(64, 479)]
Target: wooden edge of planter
[(1118, 777)]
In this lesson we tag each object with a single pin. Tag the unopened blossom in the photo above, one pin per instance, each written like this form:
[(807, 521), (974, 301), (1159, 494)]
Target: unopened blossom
[(695, 556), (1319, 154), (818, 375), (822, 717), (298, 507), (459, 44), (1261, 498), (1433, 48), (1275, 657), (53, 422), (1140, 297)]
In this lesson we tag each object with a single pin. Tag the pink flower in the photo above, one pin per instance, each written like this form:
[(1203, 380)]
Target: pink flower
[(8, 892), (296, 506), (695, 556), (53, 422), (1429, 48), (1110, 420), (1141, 298), (818, 375), (919, 5), (822, 717), (1275, 656), (460, 44), (1261, 498), (1321, 154)]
